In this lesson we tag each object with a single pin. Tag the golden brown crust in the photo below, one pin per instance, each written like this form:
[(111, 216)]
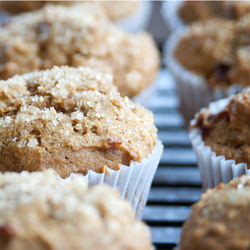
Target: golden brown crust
[(71, 120), (79, 35), (227, 132), (220, 220), (39, 211), (115, 10)]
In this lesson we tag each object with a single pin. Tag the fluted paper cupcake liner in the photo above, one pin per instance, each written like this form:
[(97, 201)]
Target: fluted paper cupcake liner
[(170, 14), (214, 169), (132, 181), (138, 21), (194, 92)]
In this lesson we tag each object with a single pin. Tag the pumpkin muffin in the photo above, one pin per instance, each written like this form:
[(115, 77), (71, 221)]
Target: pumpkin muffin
[(71, 120), (115, 10), (209, 45), (39, 211), (77, 36), (193, 11), (227, 132), (220, 220)]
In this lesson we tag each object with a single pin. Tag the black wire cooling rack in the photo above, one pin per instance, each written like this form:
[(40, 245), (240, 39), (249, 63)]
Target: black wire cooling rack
[(177, 183)]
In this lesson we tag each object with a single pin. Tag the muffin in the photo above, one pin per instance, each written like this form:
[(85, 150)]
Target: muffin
[(201, 60), (180, 13), (192, 11), (220, 220), (38, 211), (221, 139), (77, 36), (115, 10), (133, 16), (74, 121)]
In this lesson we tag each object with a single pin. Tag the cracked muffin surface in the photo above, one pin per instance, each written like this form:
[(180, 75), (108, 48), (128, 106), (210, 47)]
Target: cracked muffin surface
[(71, 120), (227, 132), (78, 35), (40, 211), (220, 220)]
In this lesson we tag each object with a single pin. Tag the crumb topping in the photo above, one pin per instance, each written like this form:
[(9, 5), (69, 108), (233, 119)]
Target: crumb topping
[(72, 120), (40, 211), (79, 35), (220, 220), (227, 132)]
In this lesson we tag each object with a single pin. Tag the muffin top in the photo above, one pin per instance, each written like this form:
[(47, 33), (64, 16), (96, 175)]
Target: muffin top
[(219, 50), (39, 211), (220, 220), (114, 10), (205, 49), (79, 35), (193, 11), (71, 120), (241, 51), (227, 132)]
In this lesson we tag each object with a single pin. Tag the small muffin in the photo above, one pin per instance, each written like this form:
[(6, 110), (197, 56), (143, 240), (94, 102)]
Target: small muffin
[(208, 44), (39, 211), (227, 132), (115, 10), (77, 36), (192, 11), (70, 120), (220, 220), (241, 52)]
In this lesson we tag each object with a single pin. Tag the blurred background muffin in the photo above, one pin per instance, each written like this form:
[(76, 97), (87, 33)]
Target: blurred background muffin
[(115, 10), (133, 16), (218, 67), (39, 211), (220, 220), (78, 35), (180, 13)]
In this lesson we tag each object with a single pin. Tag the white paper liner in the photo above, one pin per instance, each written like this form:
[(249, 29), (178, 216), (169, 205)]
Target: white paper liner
[(138, 21), (193, 90), (214, 169), (132, 181), (170, 14)]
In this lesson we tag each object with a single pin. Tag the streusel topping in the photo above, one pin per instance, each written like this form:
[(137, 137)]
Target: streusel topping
[(79, 35), (40, 211), (72, 120)]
